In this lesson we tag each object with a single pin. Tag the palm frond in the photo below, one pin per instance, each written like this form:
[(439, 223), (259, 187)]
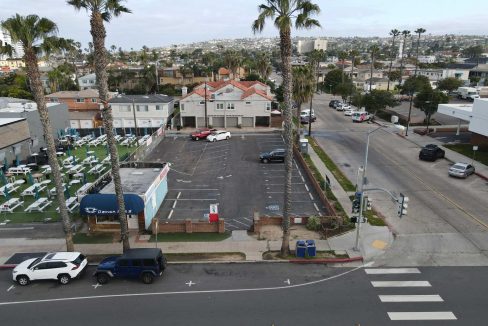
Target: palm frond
[(303, 21), (265, 12)]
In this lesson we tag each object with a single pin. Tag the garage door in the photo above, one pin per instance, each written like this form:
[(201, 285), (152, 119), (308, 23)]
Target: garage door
[(218, 122), (189, 122), (262, 121), (201, 122), (232, 122), (247, 122)]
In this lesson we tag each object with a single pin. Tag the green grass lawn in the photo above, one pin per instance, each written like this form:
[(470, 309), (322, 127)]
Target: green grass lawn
[(190, 237), (20, 216), (467, 150)]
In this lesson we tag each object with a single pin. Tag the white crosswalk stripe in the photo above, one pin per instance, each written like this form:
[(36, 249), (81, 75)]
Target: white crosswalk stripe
[(411, 298), (376, 271), (398, 284), (422, 315)]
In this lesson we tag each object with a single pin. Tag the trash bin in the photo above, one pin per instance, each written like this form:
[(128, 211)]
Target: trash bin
[(311, 248), (304, 146), (301, 248)]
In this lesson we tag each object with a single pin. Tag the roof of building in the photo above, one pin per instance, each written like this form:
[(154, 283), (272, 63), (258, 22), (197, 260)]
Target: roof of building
[(250, 91), (154, 98), (461, 65), (86, 93), (135, 181), (223, 71), (89, 76), (482, 60), (8, 121), (246, 86), (482, 67)]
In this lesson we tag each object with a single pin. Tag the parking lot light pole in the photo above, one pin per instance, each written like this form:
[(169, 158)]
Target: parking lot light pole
[(361, 188)]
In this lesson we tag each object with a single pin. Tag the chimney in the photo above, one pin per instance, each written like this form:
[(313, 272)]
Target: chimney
[(184, 90)]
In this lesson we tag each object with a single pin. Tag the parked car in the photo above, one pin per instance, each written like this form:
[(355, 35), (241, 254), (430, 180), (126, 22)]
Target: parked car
[(61, 266), (343, 107), (306, 119), (218, 135), (141, 263), (201, 133), (431, 152), (306, 113), (333, 103), (461, 170), (276, 155), (360, 116), (337, 104), (349, 112)]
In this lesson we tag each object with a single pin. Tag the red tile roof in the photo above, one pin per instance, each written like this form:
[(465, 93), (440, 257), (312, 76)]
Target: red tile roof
[(246, 86), (224, 71)]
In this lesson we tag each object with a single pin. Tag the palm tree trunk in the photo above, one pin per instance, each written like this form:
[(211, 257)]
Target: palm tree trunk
[(38, 92), (391, 62), (371, 75), (401, 59), (98, 33), (285, 45)]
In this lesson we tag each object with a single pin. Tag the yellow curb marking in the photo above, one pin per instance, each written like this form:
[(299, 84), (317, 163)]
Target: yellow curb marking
[(378, 244)]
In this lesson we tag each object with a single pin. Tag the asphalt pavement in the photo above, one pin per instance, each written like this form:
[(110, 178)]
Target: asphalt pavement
[(257, 294)]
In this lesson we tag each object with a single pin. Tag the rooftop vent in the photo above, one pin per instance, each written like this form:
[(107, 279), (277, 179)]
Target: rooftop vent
[(137, 173)]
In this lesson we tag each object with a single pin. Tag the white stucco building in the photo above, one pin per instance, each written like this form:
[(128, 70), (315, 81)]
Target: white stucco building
[(229, 104), (306, 46)]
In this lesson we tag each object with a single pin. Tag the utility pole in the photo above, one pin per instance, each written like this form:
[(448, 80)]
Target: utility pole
[(419, 32), (135, 119), (206, 118), (157, 78), (361, 188)]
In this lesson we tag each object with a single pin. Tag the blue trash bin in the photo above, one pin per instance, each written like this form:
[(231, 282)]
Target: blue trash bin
[(301, 248), (311, 248)]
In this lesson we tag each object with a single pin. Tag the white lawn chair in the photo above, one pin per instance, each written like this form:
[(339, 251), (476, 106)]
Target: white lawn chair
[(9, 187), (71, 204), (10, 205), (31, 191), (39, 205)]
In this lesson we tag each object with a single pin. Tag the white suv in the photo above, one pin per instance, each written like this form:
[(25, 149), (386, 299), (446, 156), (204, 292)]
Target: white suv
[(61, 266)]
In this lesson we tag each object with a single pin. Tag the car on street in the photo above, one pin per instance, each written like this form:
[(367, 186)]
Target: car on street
[(333, 103), (201, 133), (218, 135), (276, 155), (431, 152), (461, 170), (306, 119), (306, 113), (349, 112), (141, 263), (61, 266), (343, 107), (360, 116)]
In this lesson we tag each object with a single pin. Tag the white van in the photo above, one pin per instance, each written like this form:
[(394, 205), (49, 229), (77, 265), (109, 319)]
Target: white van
[(360, 116), (306, 113)]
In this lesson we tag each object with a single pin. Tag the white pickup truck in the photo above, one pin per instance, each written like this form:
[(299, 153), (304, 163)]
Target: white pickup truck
[(468, 93)]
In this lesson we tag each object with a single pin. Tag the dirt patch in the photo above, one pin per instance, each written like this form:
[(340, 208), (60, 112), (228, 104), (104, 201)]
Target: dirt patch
[(297, 232)]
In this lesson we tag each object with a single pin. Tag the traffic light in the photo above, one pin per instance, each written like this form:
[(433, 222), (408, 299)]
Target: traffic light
[(356, 204), (402, 205)]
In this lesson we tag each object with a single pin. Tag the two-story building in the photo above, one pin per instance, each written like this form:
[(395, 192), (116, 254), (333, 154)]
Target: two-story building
[(174, 76), (141, 111), (88, 82), (15, 141), (228, 104), (83, 107), (481, 71)]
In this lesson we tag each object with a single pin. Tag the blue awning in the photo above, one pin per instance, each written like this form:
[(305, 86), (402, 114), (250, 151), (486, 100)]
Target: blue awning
[(106, 204)]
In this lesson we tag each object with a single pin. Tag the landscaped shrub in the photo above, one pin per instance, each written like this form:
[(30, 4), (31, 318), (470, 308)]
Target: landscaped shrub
[(313, 223)]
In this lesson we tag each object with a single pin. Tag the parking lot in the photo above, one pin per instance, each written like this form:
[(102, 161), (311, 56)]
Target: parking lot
[(228, 173)]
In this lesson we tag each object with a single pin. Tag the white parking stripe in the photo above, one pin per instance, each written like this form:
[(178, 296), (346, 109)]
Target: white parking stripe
[(247, 219), (232, 225), (311, 197), (236, 221), (303, 179), (318, 210), (411, 298), (306, 187), (392, 271), (170, 213), (423, 315), (388, 284)]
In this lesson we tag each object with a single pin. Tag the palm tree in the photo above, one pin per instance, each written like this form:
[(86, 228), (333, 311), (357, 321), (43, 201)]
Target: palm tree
[(102, 11), (418, 31), (285, 14), (394, 33), (37, 35), (353, 54), (303, 86), (405, 34), (263, 65), (342, 58), (233, 60), (374, 50)]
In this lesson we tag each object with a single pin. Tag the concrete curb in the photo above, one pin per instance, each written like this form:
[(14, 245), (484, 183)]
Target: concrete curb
[(326, 260)]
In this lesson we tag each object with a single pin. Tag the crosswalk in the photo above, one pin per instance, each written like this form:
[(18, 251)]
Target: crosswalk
[(377, 282)]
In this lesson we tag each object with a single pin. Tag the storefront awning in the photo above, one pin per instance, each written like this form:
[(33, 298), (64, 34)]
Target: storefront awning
[(106, 204)]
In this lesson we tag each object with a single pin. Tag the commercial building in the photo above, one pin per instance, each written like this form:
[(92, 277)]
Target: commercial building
[(477, 116), (144, 191), (20, 108), (306, 46), (15, 140)]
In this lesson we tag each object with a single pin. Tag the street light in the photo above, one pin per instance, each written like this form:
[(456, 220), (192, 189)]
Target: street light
[(361, 187)]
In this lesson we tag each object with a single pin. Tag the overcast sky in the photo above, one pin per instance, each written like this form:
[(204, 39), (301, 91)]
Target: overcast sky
[(165, 22)]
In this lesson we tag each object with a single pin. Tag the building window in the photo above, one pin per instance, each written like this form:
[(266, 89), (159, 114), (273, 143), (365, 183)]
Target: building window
[(92, 81), (54, 99), (94, 100), (220, 106), (182, 107), (202, 103), (124, 108), (159, 107), (248, 103), (142, 108), (230, 106), (268, 106), (80, 100)]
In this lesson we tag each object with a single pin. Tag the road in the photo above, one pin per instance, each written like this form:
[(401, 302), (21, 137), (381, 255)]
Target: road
[(257, 294), (447, 221)]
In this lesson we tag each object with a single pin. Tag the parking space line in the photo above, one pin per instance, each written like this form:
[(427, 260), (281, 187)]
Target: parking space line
[(280, 184), (192, 189), (169, 216), (280, 192), (231, 225), (236, 221), (306, 187), (190, 199), (247, 219), (316, 208), (303, 179), (311, 197)]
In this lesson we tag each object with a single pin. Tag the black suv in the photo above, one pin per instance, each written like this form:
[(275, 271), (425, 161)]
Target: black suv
[(144, 264), (277, 155), (431, 152)]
